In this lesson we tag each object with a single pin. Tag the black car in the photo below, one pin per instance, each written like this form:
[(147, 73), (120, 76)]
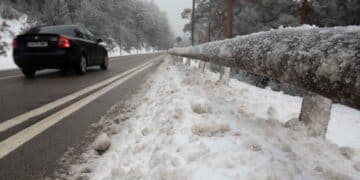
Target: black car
[(58, 47)]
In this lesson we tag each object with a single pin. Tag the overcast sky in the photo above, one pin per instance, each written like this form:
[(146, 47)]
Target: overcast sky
[(174, 9)]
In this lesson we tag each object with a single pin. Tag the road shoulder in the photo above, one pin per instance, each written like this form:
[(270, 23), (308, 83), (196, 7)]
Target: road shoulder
[(75, 154), (187, 125)]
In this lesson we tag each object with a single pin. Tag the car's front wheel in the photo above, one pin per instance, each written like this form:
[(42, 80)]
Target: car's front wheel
[(81, 66), (105, 63), (28, 73)]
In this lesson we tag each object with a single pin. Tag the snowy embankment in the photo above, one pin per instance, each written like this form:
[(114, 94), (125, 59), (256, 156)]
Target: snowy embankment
[(8, 30), (189, 126), (116, 51)]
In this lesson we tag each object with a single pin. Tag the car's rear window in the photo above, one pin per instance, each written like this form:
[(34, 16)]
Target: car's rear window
[(65, 30)]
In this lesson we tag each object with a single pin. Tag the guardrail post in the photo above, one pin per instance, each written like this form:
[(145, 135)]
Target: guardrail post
[(187, 61), (315, 113), (206, 64), (225, 75), (176, 59), (202, 66)]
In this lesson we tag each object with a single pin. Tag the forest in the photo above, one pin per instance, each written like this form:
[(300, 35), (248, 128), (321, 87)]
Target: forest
[(261, 15), (125, 23)]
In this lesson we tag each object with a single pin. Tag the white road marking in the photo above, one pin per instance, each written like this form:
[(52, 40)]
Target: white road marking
[(9, 77), (21, 75), (12, 143), (38, 111)]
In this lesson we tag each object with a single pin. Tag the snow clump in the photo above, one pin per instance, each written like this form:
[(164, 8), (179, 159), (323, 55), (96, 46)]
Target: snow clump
[(102, 143)]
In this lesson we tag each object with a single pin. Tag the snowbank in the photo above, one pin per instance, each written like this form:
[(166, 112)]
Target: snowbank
[(116, 51), (8, 30), (189, 126)]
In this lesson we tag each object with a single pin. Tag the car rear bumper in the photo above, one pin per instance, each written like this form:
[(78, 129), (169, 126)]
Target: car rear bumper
[(43, 60)]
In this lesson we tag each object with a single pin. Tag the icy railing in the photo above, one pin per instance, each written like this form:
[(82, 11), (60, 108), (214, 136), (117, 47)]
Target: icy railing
[(321, 60)]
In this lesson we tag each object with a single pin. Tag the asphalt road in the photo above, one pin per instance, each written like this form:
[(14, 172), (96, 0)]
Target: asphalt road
[(26, 152)]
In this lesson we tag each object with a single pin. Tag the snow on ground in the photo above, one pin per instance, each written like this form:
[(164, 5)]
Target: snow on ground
[(8, 30), (189, 126), (344, 127)]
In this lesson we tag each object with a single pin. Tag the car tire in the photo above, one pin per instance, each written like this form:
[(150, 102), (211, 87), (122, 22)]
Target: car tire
[(63, 71), (105, 63), (28, 73), (81, 66)]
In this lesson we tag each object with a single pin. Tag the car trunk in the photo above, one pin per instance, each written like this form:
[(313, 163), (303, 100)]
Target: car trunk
[(37, 42)]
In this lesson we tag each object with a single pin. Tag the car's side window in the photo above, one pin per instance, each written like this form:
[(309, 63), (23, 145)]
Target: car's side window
[(79, 34), (91, 36), (85, 36)]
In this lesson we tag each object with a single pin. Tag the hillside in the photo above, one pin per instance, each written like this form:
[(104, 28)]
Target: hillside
[(9, 28)]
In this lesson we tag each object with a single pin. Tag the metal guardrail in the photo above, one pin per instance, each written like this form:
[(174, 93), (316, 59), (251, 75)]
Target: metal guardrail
[(321, 60)]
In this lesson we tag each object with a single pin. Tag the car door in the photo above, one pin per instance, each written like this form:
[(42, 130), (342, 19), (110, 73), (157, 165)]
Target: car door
[(98, 55), (91, 47), (83, 43)]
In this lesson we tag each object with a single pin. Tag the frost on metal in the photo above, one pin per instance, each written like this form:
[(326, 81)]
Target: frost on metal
[(322, 60), (315, 113)]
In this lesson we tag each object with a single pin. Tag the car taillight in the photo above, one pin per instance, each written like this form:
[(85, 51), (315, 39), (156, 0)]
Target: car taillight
[(14, 44), (64, 42)]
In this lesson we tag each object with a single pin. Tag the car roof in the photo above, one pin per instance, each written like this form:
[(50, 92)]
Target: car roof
[(61, 26), (53, 29)]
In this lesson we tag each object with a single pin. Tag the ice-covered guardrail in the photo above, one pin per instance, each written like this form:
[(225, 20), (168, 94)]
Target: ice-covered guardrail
[(322, 60)]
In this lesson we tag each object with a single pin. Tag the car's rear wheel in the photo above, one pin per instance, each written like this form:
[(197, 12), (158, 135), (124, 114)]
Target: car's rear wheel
[(82, 66), (105, 63), (28, 73), (63, 71)]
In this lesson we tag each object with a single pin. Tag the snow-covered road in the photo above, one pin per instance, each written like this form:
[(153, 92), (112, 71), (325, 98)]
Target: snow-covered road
[(186, 125)]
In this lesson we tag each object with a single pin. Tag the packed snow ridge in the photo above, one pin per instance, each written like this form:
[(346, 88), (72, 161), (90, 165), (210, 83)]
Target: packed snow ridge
[(187, 125)]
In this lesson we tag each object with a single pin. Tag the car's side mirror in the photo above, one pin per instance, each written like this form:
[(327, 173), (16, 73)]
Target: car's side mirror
[(99, 41)]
